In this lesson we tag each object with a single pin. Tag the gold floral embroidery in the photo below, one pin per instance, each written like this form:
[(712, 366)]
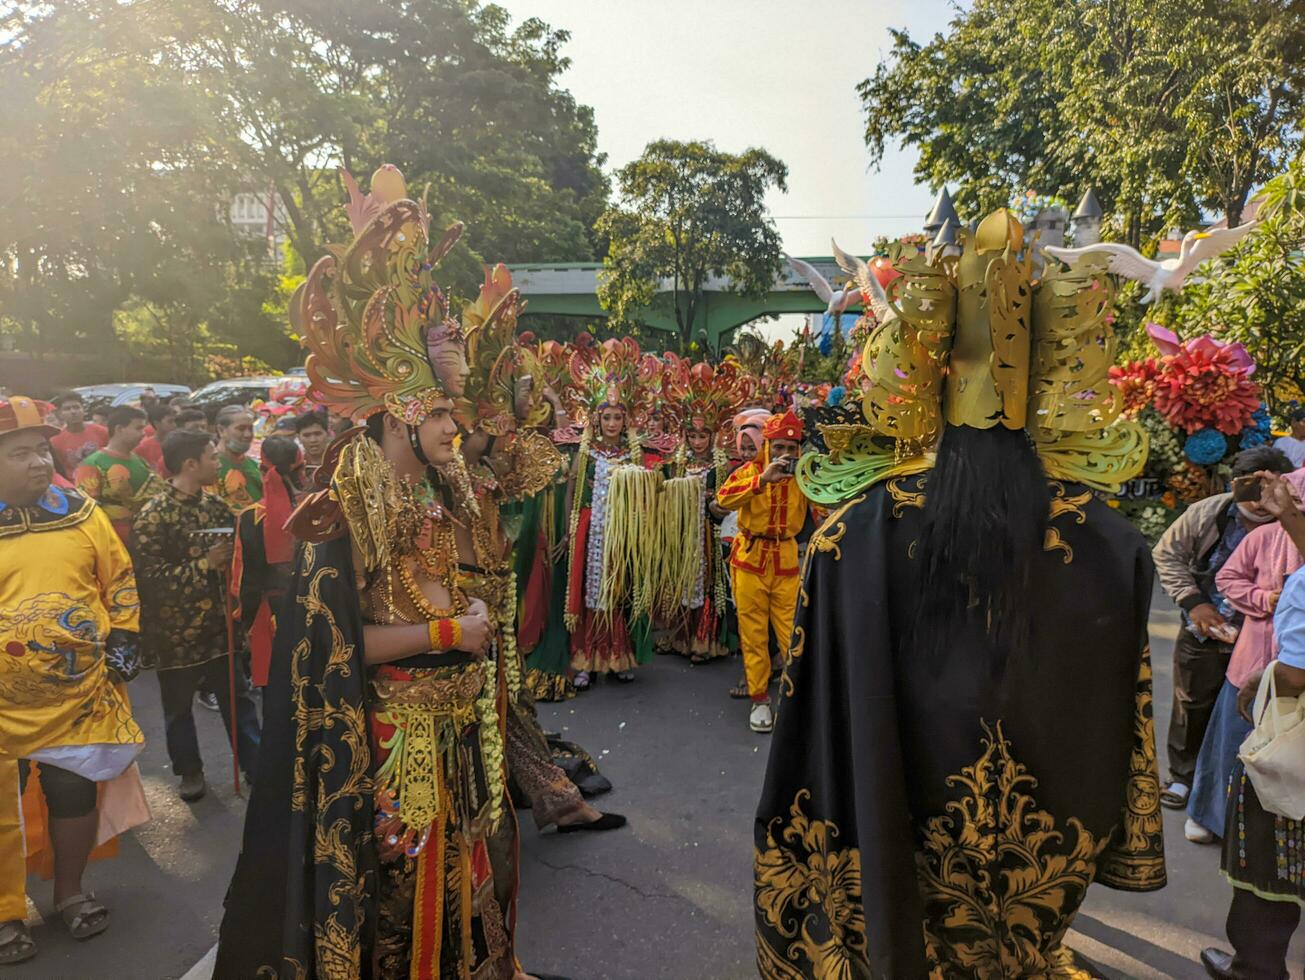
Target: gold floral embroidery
[(809, 894), (903, 498), (1135, 859), (1060, 506), (999, 881)]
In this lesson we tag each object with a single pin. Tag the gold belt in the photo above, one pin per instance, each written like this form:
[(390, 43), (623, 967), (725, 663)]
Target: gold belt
[(440, 694)]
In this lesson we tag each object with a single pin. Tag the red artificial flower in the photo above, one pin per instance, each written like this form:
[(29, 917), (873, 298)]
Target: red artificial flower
[(1206, 386)]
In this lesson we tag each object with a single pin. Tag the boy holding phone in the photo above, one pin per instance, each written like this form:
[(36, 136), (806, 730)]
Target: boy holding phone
[(764, 557)]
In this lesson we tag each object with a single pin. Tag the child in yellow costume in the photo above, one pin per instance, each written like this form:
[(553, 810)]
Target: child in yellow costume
[(764, 558)]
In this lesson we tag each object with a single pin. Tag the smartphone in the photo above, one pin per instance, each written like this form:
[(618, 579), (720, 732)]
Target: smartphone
[(787, 463), (1247, 488)]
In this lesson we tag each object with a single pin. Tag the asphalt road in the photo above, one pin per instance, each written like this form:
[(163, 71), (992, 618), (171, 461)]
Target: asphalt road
[(668, 897)]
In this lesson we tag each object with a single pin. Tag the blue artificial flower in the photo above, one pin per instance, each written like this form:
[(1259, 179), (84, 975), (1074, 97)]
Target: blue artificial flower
[(1206, 447), (836, 394), (1259, 432)]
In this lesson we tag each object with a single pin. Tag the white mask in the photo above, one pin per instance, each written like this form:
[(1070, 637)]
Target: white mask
[(1250, 517)]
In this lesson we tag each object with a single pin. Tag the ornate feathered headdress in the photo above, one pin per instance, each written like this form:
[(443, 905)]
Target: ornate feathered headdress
[(493, 355), (374, 321), (703, 395), (973, 340), (613, 374)]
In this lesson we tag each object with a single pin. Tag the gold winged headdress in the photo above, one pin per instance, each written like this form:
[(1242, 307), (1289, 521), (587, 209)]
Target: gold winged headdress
[(972, 339), (703, 395), (374, 321)]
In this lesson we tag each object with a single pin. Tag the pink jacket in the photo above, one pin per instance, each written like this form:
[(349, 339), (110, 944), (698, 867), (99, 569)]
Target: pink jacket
[(1257, 569)]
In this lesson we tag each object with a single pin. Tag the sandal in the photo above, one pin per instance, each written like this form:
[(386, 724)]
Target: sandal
[(740, 691), (1174, 796), (16, 943), (83, 915)]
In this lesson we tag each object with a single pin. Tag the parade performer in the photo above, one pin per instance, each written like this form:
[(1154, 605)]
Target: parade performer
[(504, 459), (764, 557), (702, 399), (609, 381), (69, 620), (965, 738), (261, 568), (541, 553), (380, 802)]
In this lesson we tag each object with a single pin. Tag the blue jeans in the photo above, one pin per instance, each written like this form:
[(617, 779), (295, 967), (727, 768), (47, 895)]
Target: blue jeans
[(1223, 737), (177, 688)]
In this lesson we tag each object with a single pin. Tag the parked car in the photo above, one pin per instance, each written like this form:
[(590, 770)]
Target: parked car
[(102, 397), (234, 391)]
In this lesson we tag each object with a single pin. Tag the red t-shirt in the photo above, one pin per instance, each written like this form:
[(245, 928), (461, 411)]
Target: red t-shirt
[(73, 447), (151, 451)]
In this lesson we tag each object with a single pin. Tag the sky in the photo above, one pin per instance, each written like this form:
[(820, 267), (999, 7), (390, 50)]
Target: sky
[(748, 73)]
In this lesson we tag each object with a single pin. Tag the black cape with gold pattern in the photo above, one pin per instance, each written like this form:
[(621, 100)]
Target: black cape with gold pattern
[(300, 903), (934, 819)]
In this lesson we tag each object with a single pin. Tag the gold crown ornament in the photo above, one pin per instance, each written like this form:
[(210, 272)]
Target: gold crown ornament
[(372, 317), (973, 339)]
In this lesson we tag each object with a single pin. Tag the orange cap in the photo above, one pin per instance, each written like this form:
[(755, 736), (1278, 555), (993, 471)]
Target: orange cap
[(18, 414)]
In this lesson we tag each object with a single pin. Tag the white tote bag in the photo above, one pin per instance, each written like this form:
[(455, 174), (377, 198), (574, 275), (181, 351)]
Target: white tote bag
[(1274, 751)]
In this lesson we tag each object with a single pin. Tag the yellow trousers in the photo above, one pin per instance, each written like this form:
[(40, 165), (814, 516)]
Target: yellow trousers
[(764, 601)]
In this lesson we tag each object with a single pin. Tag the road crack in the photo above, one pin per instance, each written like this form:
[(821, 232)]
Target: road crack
[(589, 872)]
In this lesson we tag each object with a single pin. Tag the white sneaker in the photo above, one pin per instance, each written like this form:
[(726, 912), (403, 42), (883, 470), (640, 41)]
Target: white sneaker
[(762, 718), (1197, 834)]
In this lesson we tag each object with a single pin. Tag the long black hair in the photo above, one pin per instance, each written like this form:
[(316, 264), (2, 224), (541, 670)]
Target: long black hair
[(985, 518)]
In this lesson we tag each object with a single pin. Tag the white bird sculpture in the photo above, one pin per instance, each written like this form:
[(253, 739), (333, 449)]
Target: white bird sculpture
[(872, 291), (1197, 247), (836, 302)]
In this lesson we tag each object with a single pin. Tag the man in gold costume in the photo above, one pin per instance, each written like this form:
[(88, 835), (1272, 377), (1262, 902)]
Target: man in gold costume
[(964, 739), (379, 840), (69, 624)]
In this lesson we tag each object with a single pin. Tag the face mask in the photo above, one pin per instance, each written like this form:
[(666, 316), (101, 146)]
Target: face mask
[(1252, 518), (238, 447)]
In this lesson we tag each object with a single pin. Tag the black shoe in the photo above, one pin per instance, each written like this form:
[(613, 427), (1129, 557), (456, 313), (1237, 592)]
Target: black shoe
[(207, 699), (608, 821)]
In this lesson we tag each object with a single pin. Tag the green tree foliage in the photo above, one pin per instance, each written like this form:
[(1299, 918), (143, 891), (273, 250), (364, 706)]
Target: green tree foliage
[(131, 126), (1256, 294), (688, 212), (1166, 109)]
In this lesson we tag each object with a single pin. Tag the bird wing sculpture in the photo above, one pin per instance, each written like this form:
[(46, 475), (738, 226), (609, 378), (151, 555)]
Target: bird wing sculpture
[(818, 283), (1206, 245), (1124, 260), (871, 289)]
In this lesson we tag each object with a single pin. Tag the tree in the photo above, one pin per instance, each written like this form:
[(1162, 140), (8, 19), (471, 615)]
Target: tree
[(1165, 109), (131, 127), (1256, 294), (687, 212)]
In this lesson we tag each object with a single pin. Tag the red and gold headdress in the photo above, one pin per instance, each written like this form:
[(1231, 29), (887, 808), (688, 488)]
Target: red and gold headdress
[(613, 374), (702, 395), (374, 321)]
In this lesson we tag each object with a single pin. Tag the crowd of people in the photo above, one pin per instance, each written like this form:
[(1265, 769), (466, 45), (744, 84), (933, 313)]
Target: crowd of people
[(375, 582), (472, 552)]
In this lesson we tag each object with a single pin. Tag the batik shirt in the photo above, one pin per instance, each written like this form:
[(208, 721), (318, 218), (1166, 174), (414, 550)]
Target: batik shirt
[(121, 485), (239, 483), (183, 615), (67, 594)]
